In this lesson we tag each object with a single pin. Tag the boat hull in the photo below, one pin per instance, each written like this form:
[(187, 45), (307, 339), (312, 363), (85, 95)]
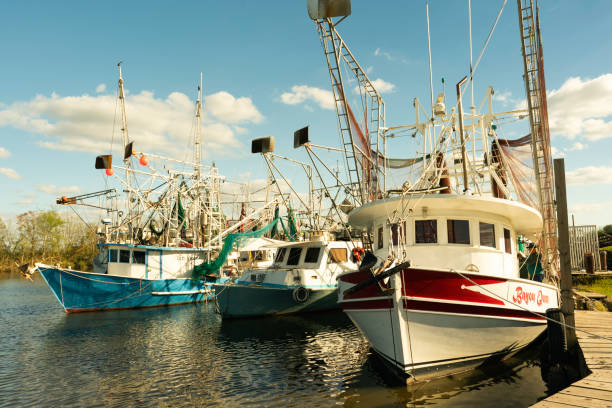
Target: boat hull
[(433, 323), (235, 300), (79, 291)]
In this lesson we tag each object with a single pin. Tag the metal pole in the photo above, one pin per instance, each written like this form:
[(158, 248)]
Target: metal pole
[(567, 296), (433, 129), (461, 135)]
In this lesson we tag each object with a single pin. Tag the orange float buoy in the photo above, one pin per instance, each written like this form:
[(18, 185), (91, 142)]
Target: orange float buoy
[(109, 172), (143, 160)]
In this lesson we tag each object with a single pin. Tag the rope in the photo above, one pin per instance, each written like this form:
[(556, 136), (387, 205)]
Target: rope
[(527, 310)]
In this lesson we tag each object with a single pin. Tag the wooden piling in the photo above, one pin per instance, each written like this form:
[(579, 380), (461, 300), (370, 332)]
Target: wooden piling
[(567, 296)]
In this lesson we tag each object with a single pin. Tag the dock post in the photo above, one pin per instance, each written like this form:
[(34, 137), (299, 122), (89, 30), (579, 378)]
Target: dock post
[(567, 296)]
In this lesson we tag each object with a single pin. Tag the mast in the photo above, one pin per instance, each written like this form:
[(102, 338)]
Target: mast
[(126, 160), (197, 160), (535, 87)]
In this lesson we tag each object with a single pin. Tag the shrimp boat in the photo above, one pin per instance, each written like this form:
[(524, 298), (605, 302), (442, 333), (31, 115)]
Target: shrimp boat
[(439, 291), (303, 278), (171, 223)]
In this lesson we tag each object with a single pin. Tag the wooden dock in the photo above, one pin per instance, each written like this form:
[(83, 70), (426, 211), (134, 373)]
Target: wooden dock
[(595, 390)]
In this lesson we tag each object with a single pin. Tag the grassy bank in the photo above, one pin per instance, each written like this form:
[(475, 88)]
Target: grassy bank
[(598, 284)]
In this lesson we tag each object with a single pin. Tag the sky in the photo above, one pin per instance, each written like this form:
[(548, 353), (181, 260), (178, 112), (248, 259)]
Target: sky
[(264, 74)]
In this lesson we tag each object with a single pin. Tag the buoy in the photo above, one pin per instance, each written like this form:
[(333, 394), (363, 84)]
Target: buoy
[(143, 160), (109, 172)]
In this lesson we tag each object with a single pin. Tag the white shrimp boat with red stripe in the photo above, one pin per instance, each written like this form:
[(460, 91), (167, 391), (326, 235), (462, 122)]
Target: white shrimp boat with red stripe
[(455, 305)]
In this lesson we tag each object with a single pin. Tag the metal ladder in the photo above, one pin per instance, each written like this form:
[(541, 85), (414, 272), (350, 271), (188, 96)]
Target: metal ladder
[(336, 51), (540, 136)]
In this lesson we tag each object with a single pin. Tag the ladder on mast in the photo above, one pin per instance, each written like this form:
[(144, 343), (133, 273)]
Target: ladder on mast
[(540, 137), (336, 51)]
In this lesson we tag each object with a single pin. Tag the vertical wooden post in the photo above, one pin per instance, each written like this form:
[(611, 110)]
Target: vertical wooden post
[(567, 296)]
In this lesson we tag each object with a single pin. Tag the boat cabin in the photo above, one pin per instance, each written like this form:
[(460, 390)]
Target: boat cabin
[(464, 233), (309, 263), (145, 262)]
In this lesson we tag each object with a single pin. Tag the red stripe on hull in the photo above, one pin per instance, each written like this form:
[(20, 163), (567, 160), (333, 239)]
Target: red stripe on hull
[(368, 304), (446, 286), (485, 311)]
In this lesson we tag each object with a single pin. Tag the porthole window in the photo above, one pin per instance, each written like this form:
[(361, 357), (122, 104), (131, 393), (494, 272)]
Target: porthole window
[(426, 231), (458, 231)]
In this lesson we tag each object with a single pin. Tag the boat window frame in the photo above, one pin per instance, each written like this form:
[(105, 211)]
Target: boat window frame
[(398, 233), (110, 255), (129, 256), (295, 257), (435, 224), (381, 237), (480, 224), (308, 250), (508, 240), (134, 252), (280, 255), (448, 231), (331, 258)]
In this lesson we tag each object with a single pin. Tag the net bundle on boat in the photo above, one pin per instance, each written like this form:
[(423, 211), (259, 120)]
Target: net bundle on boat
[(237, 238), (515, 158)]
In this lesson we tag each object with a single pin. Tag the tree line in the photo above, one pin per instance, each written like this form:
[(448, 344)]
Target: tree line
[(47, 237)]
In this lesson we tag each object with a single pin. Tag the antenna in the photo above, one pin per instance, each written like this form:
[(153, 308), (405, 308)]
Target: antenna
[(433, 129)]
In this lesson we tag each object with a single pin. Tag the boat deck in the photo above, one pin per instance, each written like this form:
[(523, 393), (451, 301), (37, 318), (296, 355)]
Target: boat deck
[(595, 390)]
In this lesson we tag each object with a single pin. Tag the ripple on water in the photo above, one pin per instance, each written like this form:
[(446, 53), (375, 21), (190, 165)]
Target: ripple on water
[(186, 356)]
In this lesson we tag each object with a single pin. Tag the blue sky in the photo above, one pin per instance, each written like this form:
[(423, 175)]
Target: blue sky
[(265, 75)]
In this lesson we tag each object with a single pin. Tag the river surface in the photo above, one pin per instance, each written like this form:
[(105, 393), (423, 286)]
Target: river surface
[(186, 356)]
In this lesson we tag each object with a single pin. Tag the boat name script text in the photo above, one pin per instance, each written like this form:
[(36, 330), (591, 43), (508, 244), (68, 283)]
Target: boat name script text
[(522, 296)]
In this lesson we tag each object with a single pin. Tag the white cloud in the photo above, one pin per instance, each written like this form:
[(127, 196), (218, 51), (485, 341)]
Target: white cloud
[(228, 109), (383, 86), (4, 153), (101, 88), (590, 175), (54, 190), (10, 173), (577, 146), (303, 93), (163, 126), (582, 108), (24, 202)]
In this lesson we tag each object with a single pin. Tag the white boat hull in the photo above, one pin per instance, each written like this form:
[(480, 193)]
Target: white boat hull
[(452, 324)]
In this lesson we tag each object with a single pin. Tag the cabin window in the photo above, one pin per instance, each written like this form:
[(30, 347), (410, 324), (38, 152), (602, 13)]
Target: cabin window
[(124, 255), (487, 235), (312, 255), (381, 236), (112, 255), (338, 255), (280, 255), (138, 257), (507, 241), (426, 231), (294, 256), (458, 231)]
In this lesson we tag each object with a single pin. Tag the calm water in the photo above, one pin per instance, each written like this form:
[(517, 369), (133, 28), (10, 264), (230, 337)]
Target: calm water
[(186, 356)]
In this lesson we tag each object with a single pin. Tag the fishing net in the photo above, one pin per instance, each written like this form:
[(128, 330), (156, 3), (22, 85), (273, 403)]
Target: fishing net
[(212, 268)]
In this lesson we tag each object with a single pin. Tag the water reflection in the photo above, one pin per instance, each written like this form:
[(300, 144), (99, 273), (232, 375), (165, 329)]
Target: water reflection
[(187, 356)]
